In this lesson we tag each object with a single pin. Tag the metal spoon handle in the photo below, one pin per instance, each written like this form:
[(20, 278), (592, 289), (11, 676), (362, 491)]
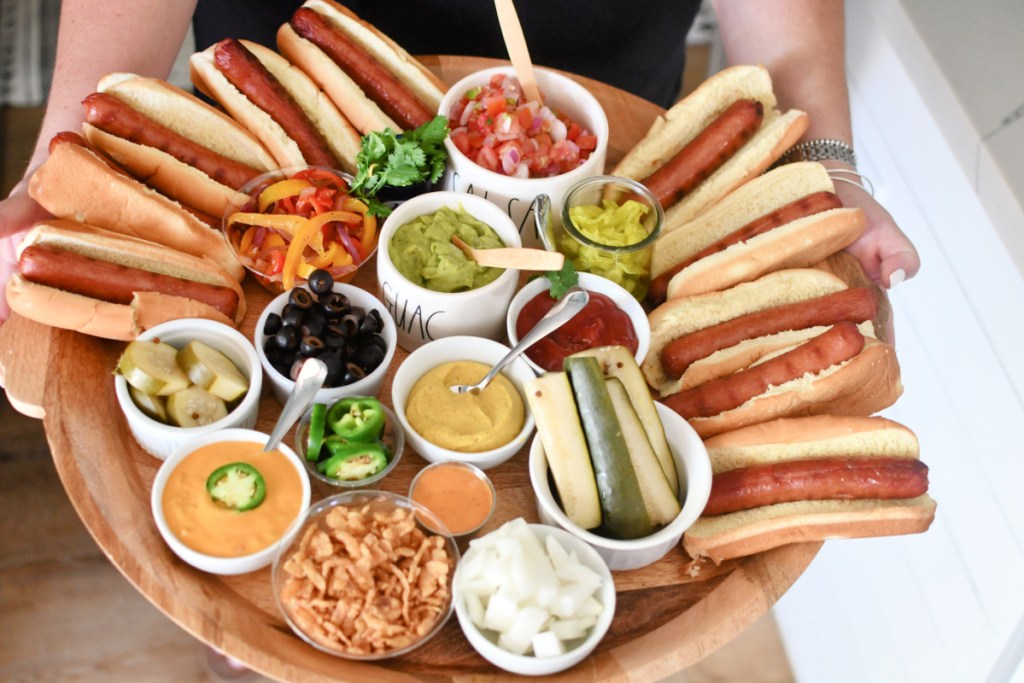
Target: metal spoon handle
[(311, 377), (571, 304)]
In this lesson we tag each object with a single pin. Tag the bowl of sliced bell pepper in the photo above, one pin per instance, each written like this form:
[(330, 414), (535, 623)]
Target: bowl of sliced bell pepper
[(291, 221), (350, 443)]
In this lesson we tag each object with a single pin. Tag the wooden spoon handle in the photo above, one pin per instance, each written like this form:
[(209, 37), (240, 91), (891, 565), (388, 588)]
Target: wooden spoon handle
[(520, 258), (515, 43)]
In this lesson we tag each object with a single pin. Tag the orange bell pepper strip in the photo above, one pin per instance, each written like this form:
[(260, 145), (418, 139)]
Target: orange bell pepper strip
[(280, 190)]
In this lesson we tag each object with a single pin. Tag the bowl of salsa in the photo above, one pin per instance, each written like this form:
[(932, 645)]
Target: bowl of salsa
[(612, 316), (511, 150)]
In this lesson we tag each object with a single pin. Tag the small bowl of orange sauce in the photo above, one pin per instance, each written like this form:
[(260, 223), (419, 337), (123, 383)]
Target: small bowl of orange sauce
[(459, 493), (223, 504)]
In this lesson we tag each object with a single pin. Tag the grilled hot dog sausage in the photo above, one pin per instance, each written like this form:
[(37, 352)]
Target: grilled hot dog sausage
[(801, 208), (841, 342), (833, 478), (856, 305), (247, 73), (117, 117), (390, 94), (113, 282), (703, 155)]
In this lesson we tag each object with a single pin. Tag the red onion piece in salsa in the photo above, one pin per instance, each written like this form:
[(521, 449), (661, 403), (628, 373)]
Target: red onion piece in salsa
[(600, 323)]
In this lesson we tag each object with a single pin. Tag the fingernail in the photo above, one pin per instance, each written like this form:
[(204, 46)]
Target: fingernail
[(897, 276)]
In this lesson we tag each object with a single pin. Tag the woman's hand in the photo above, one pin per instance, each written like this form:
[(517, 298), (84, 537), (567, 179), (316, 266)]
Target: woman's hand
[(17, 214)]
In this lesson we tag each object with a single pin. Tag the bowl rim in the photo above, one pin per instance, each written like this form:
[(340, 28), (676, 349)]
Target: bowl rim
[(183, 326), (478, 472), (589, 281), (476, 458), (389, 332), (209, 563), (576, 93), (692, 505), (544, 665), (399, 448), (284, 548), (446, 198)]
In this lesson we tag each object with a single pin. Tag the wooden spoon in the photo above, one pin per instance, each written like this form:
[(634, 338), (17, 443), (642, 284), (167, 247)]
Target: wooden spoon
[(517, 258), (515, 43)]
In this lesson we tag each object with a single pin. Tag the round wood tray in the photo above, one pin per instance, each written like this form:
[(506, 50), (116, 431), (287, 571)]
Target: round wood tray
[(669, 615)]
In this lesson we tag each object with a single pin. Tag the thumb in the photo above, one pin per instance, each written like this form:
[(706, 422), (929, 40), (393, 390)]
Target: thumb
[(899, 266)]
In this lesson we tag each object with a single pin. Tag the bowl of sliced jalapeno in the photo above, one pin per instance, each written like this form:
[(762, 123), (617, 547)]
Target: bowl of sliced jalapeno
[(350, 443)]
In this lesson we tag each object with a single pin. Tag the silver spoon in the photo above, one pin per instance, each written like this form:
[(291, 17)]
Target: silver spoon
[(309, 380), (571, 304)]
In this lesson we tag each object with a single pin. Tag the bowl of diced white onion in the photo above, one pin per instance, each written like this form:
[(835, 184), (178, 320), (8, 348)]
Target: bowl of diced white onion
[(533, 599)]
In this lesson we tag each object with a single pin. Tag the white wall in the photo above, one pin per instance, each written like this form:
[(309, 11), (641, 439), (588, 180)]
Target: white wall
[(947, 605)]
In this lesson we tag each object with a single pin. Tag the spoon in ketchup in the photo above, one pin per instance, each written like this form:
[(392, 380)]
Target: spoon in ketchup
[(573, 302)]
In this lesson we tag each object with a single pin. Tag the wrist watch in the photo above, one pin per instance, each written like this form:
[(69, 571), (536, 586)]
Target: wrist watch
[(820, 150)]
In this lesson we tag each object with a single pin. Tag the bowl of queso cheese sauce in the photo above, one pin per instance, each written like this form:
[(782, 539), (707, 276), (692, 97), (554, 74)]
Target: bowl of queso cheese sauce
[(611, 317), (222, 504), (460, 494)]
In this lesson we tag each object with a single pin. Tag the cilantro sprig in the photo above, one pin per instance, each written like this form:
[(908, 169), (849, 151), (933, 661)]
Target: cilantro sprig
[(562, 280), (399, 160)]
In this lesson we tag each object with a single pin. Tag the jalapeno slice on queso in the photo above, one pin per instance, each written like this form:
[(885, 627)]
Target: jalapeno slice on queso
[(237, 486)]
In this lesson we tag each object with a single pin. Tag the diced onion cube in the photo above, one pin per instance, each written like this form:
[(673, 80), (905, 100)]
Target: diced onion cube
[(547, 644)]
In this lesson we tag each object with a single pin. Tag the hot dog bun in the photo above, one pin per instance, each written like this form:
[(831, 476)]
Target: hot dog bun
[(686, 119), (356, 104), (186, 115), (75, 183), (861, 384), (342, 139), (796, 244), (746, 532), (59, 308)]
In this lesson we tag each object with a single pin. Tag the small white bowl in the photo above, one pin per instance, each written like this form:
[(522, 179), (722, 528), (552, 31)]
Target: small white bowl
[(423, 315), (224, 565), (460, 348), (529, 665), (515, 196), (694, 470), (370, 385), (592, 283), (160, 439)]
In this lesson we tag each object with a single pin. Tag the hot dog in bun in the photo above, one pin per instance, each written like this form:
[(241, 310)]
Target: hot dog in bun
[(83, 278), (276, 102), (810, 479), (173, 141), (790, 217), (793, 342), (76, 183), (721, 135), (373, 81)]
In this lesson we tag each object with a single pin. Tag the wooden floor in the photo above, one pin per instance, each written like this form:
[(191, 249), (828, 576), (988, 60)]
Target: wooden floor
[(67, 615)]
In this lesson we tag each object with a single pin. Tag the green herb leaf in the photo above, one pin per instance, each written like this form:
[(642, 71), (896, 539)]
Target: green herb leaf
[(399, 160), (562, 280)]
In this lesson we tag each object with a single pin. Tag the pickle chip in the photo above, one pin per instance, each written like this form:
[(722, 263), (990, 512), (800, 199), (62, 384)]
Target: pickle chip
[(195, 407), (213, 371), (152, 367), (152, 405)]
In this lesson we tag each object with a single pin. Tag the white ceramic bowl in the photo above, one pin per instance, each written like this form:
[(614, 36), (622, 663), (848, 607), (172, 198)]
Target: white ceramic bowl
[(529, 665), (159, 439), (423, 315), (592, 283), (370, 385), (694, 467), (208, 563), (459, 348), (516, 195)]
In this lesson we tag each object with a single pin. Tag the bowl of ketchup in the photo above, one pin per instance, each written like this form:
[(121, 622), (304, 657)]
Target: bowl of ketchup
[(612, 316)]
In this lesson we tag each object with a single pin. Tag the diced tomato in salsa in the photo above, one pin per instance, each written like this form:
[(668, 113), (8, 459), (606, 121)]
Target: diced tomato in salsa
[(497, 128)]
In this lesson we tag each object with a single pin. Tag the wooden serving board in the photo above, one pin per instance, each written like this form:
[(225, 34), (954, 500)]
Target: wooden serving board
[(669, 615)]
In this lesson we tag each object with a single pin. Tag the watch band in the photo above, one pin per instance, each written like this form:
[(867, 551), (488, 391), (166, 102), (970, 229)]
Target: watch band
[(820, 150)]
